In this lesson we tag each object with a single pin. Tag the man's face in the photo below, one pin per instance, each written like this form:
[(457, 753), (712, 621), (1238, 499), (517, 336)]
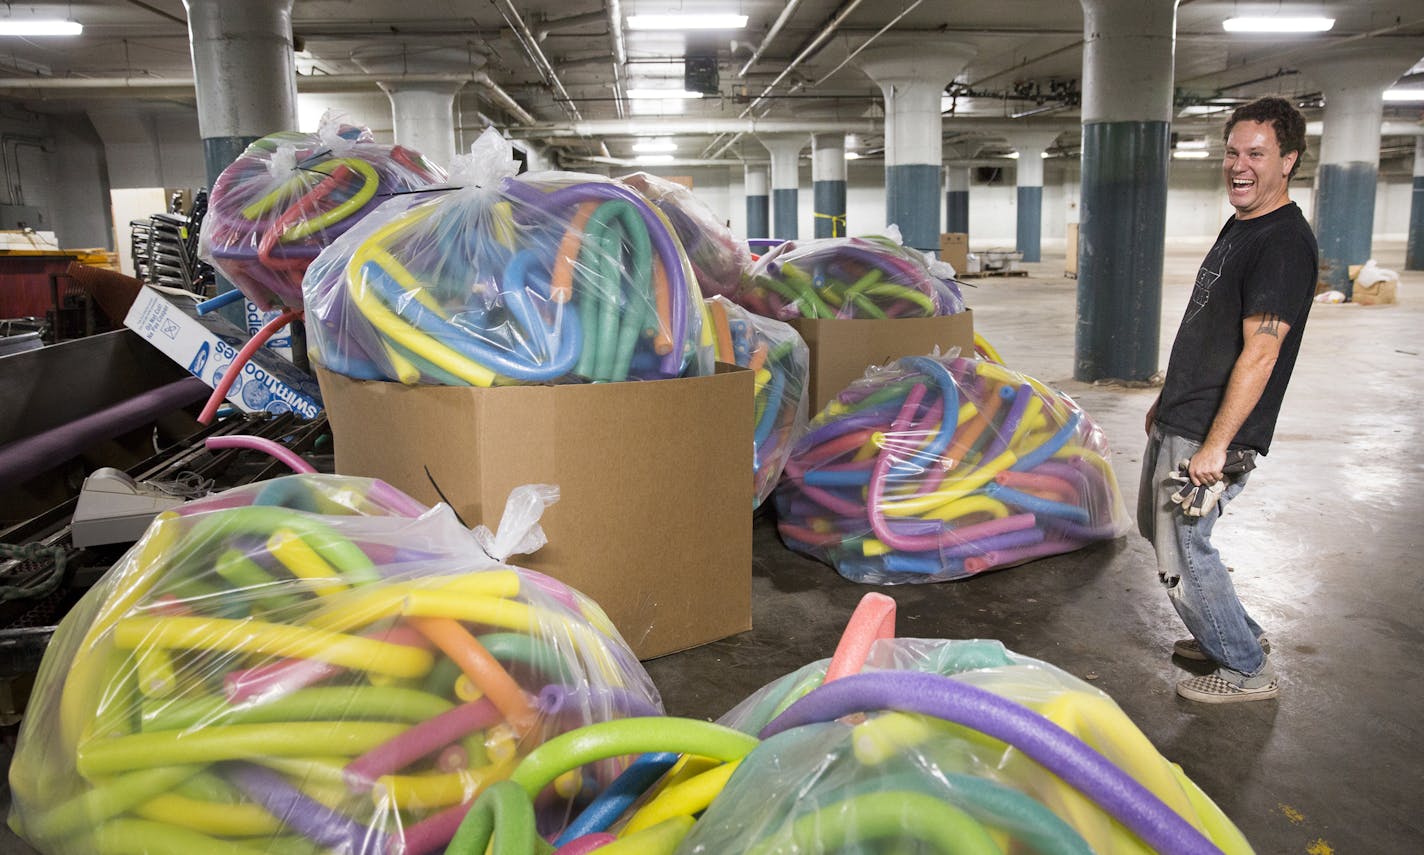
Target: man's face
[(1256, 173)]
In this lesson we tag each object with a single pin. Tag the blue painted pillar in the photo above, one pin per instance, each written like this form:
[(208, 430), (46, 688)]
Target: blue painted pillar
[(912, 74), (246, 79), (828, 184), (956, 199), (758, 203), (1128, 58), (785, 183), (1353, 81), (1030, 148), (1414, 249)]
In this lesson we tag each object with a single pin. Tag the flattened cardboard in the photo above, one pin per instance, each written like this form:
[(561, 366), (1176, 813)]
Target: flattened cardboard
[(841, 350), (652, 519)]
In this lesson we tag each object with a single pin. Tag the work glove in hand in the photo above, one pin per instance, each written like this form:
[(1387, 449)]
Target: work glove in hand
[(1198, 500)]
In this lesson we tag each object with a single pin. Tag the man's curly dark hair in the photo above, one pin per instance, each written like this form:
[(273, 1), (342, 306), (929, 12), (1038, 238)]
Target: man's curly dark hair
[(1283, 117)]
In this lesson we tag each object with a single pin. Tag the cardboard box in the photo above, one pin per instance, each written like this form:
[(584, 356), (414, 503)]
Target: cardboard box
[(655, 479), (206, 346), (1381, 293), (954, 248), (1070, 251), (841, 350)]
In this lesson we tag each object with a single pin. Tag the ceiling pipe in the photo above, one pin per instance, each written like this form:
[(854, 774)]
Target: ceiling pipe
[(633, 163), (47, 88), (865, 44), (771, 34), (567, 23), (805, 53), (687, 126), (541, 63), (614, 9)]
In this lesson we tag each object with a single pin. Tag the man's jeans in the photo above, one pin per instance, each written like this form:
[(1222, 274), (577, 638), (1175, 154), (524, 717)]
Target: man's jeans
[(1197, 583)]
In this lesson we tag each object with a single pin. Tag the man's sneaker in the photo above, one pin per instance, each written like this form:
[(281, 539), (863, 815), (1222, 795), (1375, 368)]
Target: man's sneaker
[(1190, 648), (1215, 689)]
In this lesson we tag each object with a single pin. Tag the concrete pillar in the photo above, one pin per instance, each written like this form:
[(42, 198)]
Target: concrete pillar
[(1414, 249), (246, 80), (758, 203), (912, 75), (828, 184), (245, 74), (1353, 82), (1128, 58), (424, 117), (785, 182), (1030, 190), (956, 199)]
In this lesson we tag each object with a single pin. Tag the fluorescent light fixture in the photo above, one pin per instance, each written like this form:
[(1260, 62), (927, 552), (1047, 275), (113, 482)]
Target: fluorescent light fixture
[(852, 155), (679, 94), (1203, 110), (686, 22), (1188, 145), (654, 158), (39, 27), (1277, 24), (655, 145), (1404, 94), (1043, 154), (1191, 154), (1013, 155)]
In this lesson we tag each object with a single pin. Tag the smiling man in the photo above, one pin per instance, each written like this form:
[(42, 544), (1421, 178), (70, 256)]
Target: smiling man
[(1226, 377)]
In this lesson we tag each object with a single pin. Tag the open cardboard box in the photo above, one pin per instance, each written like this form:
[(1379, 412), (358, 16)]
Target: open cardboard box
[(654, 517), (841, 349)]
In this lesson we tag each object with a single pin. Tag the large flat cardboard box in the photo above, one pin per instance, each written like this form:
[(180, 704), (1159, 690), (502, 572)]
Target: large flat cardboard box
[(655, 481), (1070, 251), (841, 349), (954, 248)]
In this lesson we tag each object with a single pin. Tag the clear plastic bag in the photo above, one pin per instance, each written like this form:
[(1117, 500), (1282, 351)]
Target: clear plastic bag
[(878, 488), (290, 194), (717, 257), (544, 277), (312, 664), (781, 360), (859, 277), (891, 745), (960, 741)]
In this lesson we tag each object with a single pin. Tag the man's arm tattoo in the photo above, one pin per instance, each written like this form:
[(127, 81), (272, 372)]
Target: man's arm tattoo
[(1270, 325)]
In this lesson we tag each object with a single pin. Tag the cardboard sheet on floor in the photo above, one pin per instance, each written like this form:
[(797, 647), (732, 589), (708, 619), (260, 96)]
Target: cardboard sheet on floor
[(652, 520)]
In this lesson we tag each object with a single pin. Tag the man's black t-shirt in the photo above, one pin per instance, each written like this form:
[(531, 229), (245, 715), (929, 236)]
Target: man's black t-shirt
[(1264, 265)]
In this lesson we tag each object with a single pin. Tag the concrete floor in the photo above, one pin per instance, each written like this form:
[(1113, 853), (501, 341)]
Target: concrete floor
[(1328, 553)]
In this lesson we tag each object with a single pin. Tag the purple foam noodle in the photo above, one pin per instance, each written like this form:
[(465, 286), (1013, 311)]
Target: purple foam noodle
[(995, 543), (553, 587), (420, 740), (890, 265), (308, 817), (1101, 494), (836, 504), (1059, 469), (1055, 749), (1000, 443), (871, 417), (568, 197), (1004, 557), (1077, 531)]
